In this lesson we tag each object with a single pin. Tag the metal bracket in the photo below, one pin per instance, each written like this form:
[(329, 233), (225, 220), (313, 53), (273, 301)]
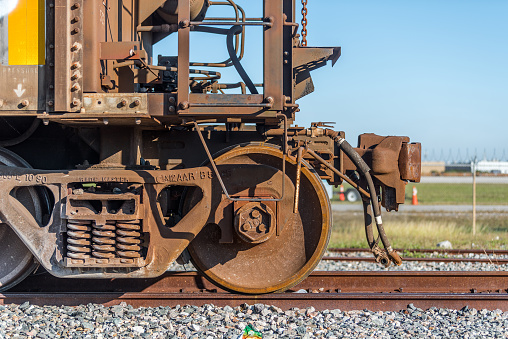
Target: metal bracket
[(216, 171)]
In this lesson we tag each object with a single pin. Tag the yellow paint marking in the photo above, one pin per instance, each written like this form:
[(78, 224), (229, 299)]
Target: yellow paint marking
[(27, 33)]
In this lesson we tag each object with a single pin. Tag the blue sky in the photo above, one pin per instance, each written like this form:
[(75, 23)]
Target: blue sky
[(436, 71)]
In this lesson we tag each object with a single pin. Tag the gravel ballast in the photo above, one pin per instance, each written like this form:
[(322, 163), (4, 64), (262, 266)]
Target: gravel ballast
[(123, 321)]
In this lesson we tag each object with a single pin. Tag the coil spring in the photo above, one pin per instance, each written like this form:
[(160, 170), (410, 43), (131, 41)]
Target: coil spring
[(104, 240), (78, 240), (128, 239)]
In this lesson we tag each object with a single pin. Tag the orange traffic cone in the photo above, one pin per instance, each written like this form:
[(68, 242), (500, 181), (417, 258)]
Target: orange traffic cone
[(415, 196), (342, 197)]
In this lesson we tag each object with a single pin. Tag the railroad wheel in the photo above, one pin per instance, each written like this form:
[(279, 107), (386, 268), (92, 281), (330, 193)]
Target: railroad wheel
[(263, 247), (16, 260)]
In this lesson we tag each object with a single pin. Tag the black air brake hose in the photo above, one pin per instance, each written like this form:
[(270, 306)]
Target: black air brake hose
[(234, 59), (365, 170)]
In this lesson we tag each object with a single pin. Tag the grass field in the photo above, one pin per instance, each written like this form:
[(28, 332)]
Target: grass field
[(459, 194), (421, 230), (456, 194)]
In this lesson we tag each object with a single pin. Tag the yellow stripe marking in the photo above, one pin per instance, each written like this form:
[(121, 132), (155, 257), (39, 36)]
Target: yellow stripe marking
[(27, 33)]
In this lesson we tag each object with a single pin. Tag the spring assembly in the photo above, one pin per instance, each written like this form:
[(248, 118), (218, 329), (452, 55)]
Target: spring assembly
[(128, 239), (104, 240), (78, 241)]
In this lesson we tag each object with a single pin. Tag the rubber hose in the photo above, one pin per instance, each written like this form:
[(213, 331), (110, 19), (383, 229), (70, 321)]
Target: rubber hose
[(367, 212), (234, 59), (365, 169)]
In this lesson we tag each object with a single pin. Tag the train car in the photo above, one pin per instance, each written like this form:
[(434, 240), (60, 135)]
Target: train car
[(115, 163)]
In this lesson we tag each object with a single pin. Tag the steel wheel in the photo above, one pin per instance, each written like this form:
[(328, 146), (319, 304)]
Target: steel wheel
[(283, 260), (16, 260)]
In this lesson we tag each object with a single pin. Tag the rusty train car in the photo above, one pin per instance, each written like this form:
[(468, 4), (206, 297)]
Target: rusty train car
[(115, 163)]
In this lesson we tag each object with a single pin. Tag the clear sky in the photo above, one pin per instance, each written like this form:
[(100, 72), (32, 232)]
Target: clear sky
[(434, 70)]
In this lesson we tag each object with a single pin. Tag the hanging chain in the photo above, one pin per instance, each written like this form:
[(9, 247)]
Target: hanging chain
[(304, 22)]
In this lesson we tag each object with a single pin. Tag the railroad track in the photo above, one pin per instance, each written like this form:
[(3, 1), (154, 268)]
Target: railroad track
[(493, 253), (322, 290), (427, 250)]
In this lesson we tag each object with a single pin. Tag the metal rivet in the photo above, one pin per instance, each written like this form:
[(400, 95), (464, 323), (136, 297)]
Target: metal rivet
[(75, 65), (75, 87), (76, 75), (138, 121), (172, 100), (171, 109), (184, 23), (75, 30), (105, 121), (269, 100), (25, 103), (136, 103), (75, 47), (122, 103), (51, 46), (184, 105), (50, 103), (76, 102)]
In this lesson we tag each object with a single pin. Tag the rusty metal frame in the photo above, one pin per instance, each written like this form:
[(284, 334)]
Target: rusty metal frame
[(46, 241), (221, 182)]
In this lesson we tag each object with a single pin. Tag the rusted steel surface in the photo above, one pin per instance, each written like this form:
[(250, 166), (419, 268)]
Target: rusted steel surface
[(120, 213), (358, 290), (318, 281), (285, 243)]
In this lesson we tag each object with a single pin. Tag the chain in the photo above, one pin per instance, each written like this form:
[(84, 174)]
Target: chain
[(304, 22)]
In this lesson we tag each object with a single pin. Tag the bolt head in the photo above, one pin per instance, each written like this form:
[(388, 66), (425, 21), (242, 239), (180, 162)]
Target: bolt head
[(184, 105), (255, 222), (25, 103)]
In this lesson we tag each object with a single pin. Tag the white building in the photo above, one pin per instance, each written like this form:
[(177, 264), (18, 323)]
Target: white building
[(492, 166)]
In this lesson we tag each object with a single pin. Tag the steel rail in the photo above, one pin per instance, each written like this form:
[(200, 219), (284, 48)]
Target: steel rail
[(497, 261), (427, 250), (322, 290)]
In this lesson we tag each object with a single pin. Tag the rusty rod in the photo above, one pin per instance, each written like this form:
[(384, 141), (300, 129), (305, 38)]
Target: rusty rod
[(298, 177), (339, 173)]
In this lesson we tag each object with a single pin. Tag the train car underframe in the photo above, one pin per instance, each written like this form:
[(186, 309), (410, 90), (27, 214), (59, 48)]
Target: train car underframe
[(133, 173)]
